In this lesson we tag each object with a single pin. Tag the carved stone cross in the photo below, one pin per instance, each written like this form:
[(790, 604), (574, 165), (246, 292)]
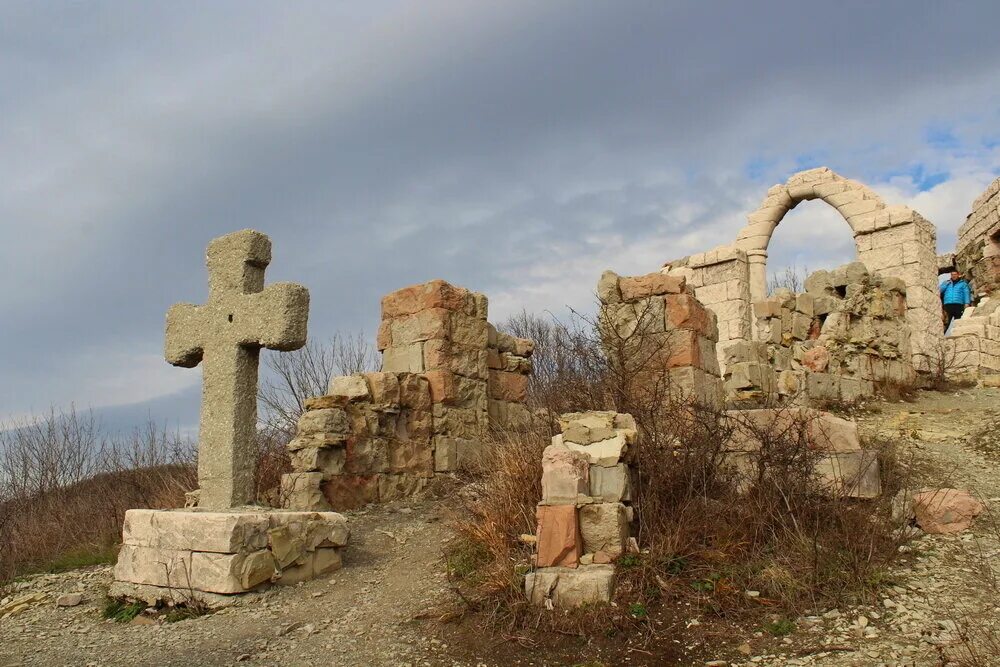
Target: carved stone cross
[(225, 335)]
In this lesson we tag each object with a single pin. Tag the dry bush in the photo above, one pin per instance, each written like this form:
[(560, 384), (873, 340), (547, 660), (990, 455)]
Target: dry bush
[(65, 486), (707, 531), (792, 278), (292, 377)]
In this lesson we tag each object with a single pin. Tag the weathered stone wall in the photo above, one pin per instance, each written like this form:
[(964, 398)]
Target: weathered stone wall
[(585, 514), (721, 281), (447, 376), (977, 253), (836, 341), (656, 325), (891, 240)]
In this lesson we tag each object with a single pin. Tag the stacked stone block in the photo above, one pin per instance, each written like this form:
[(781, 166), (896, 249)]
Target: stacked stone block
[(663, 335), (972, 349), (977, 253), (721, 281), (842, 467), (847, 333), (176, 554), (447, 376), (586, 509)]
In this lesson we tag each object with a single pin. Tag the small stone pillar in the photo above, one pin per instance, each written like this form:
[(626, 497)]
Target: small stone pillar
[(586, 509)]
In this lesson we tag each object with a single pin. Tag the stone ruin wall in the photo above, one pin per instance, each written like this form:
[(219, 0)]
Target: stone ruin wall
[(657, 320), (973, 346), (893, 241), (977, 252), (448, 376), (837, 341)]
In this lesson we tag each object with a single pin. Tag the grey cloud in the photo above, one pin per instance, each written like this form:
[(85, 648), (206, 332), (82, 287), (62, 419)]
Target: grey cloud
[(391, 144)]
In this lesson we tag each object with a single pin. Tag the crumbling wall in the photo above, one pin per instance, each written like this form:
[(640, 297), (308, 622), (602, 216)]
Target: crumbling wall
[(721, 281), (891, 240), (447, 376), (847, 333), (977, 253), (665, 336)]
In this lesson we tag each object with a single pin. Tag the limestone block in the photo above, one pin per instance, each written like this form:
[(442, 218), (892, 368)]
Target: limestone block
[(507, 386), (346, 492), (209, 572), (565, 587), (565, 474), (403, 359), (351, 387), (422, 326), (312, 565), (610, 484), (851, 474), (329, 460), (468, 330), (195, 530), (592, 420), (819, 283), (634, 288), (604, 527), (607, 288), (607, 453), (303, 491), (558, 539), (816, 359), (326, 420), (436, 294), (461, 359), (400, 486)]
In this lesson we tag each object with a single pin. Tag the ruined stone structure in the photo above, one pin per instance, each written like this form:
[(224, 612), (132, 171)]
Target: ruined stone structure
[(585, 514), (893, 241), (973, 350), (837, 341), (224, 547), (666, 337), (447, 377)]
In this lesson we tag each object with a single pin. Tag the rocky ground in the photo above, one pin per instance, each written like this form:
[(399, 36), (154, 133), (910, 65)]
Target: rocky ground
[(384, 607)]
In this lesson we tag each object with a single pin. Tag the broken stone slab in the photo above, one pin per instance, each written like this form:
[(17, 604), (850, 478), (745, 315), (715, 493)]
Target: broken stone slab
[(823, 431), (565, 587), (943, 511), (606, 453), (565, 474), (155, 595), (208, 572), (558, 542), (235, 531), (604, 528), (351, 387)]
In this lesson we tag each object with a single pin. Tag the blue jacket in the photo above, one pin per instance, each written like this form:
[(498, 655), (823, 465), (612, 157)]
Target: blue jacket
[(956, 292)]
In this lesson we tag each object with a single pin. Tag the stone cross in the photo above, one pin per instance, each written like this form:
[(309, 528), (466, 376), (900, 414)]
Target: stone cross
[(225, 335)]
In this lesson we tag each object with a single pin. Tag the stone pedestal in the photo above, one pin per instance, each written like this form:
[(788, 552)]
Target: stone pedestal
[(209, 556)]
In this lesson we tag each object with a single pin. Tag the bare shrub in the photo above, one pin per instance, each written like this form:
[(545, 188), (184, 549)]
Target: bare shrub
[(65, 486), (292, 377), (792, 278), (711, 526)]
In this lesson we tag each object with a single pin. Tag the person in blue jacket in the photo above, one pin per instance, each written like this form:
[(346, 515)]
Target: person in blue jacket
[(955, 296)]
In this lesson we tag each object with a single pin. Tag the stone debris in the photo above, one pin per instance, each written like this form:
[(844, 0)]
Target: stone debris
[(943, 511), (842, 466), (584, 516), (69, 599), (447, 376)]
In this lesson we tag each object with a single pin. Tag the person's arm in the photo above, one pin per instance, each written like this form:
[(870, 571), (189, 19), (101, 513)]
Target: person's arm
[(968, 294)]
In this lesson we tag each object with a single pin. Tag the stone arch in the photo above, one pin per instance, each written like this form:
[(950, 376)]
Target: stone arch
[(857, 203), (891, 240)]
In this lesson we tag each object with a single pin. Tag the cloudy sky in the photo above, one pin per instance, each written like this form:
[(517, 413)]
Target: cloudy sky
[(517, 148)]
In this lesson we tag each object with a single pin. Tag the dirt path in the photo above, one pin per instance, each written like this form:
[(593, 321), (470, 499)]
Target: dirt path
[(362, 615), (373, 612)]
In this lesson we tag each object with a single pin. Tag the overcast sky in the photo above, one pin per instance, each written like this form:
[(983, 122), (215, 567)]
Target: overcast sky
[(514, 148)]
